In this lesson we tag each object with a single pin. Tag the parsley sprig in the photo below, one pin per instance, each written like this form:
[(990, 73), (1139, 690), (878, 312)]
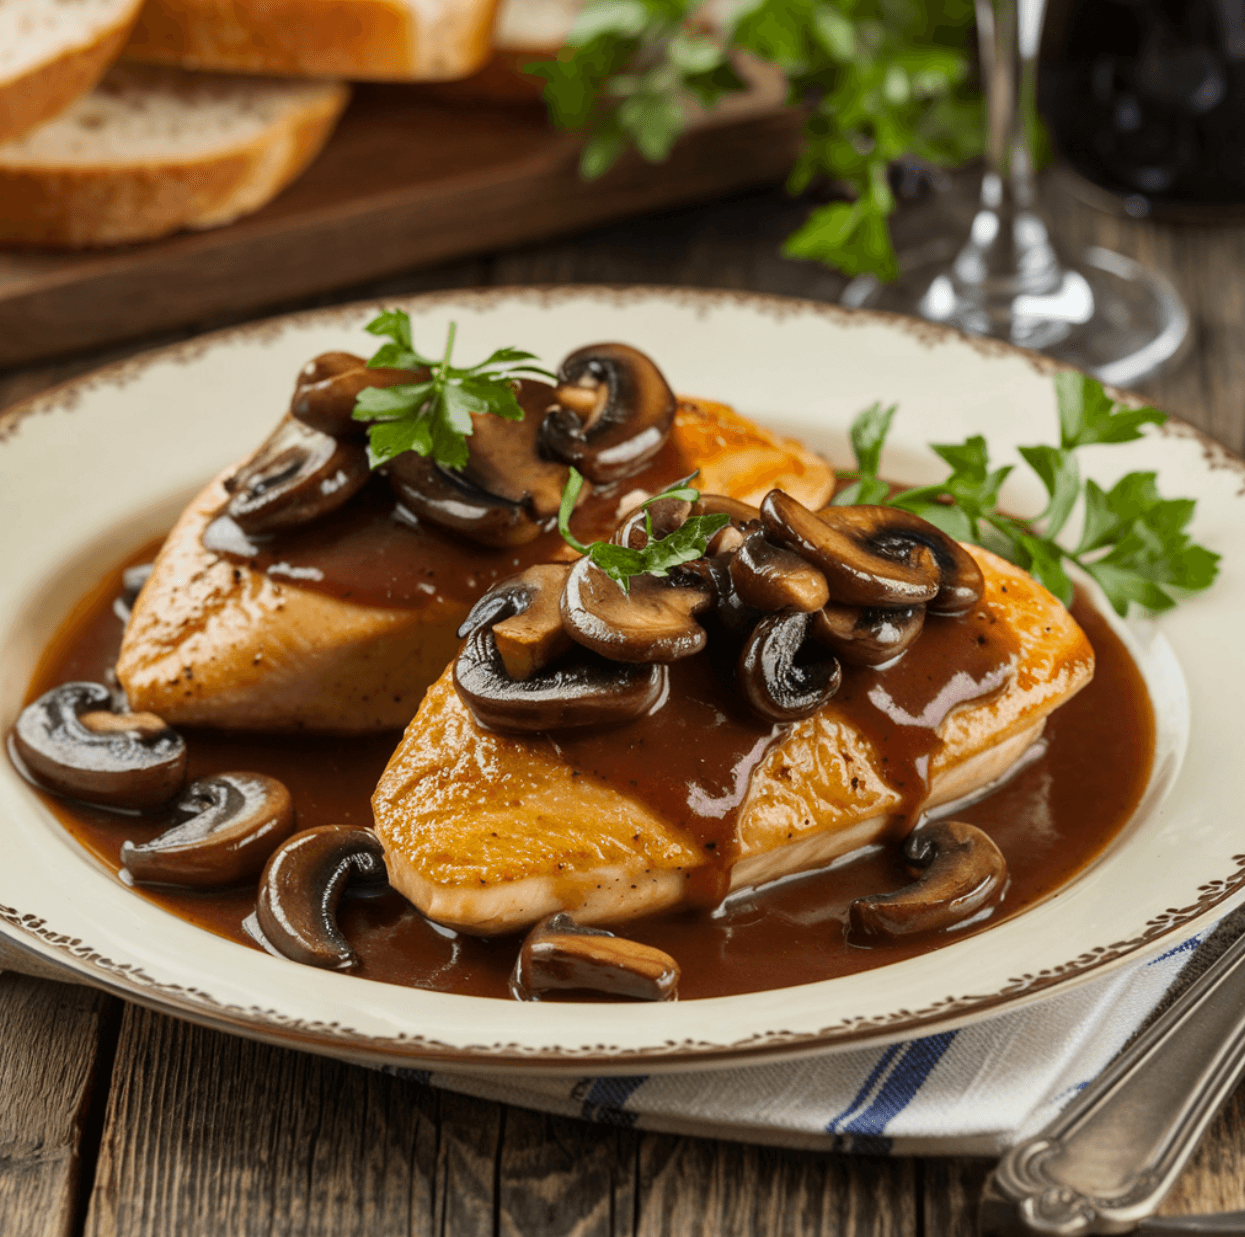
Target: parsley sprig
[(660, 554), (433, 417), (1132, 540), (877, 80)]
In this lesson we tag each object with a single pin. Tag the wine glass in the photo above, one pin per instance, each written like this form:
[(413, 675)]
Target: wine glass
[(1105, 314)]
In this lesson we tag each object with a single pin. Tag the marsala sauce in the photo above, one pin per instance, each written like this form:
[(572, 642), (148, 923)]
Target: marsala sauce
[(691, 762)]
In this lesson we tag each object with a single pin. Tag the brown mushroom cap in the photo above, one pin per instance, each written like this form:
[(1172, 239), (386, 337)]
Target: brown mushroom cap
[(302, 885), (615, 412), (526, 617), (72, 743), (864, 564), (744, 518), (778, 684), (231, 823), (666, 516), (867, 637), (298, 475), (504, 456), (588, 691), (447, 499), (325, 395), (559, 953), (654, 622), (959, 872), (770, 578)]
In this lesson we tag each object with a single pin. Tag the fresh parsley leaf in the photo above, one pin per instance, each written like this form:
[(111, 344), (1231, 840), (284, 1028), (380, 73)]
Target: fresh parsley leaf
[(433, 417), (1133, 541), (661, 554)]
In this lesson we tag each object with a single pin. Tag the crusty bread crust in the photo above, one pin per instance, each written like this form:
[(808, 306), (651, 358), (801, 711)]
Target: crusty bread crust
[(375, 40), (47, 89), (76, 207)]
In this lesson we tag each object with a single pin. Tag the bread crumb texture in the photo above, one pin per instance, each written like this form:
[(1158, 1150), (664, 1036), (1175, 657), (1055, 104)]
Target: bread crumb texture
[(35, 31)]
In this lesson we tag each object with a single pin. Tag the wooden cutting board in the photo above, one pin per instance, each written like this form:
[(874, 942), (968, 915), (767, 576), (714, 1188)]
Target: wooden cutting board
[(406, 180)]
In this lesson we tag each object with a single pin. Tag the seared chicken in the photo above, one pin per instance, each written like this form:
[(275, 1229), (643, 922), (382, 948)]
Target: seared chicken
[(212, 642), (489, 832)]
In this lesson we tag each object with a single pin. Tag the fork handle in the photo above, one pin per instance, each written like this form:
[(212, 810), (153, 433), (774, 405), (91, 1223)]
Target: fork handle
[(1106, 1162)]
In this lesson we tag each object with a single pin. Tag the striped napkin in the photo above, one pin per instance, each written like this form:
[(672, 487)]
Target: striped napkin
[(973, 1091)]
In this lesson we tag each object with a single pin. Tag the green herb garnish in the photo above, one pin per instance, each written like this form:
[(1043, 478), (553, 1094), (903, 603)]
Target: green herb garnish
[(1132, 541), (433, 417), (620, 563), (877, 80)]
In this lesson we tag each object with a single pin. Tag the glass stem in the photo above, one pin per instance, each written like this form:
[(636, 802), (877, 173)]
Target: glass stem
[(1009, 251)]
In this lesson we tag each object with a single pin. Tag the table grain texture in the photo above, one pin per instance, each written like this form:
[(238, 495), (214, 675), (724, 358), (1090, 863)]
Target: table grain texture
[(116, 1120)]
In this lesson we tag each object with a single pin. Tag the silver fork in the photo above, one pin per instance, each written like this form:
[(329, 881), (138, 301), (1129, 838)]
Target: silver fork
[(1106, 1162)]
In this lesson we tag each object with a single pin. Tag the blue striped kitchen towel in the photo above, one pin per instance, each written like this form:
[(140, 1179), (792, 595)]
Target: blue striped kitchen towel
[(973, 1091)]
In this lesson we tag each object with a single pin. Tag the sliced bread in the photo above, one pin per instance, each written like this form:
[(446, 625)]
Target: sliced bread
[(151, 150), (52, 51), (379, 40)]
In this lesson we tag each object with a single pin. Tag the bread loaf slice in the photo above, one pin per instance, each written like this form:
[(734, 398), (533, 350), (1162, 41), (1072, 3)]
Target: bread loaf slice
[(152, 150), (52, 51), (375, 40)]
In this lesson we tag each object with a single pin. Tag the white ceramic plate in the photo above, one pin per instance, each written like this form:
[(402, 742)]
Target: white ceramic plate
[(89, 471)]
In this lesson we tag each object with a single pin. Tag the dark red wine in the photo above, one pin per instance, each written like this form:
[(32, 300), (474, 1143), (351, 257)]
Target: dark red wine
[(1146, 98)]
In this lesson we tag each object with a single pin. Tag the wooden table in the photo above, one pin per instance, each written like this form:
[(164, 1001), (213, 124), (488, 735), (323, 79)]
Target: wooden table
[(117, 1120)]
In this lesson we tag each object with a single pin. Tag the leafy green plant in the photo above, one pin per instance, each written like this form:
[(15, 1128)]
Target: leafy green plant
[(433, 416), (878, 79), (1132, 541), (659, 554)]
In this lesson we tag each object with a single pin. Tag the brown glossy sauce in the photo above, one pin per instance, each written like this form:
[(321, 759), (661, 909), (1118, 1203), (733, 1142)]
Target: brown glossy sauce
[(691, 762), (373, 552)]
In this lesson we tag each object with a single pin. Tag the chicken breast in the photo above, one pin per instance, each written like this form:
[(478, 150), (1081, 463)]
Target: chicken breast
[(212, 642), (488, 832)]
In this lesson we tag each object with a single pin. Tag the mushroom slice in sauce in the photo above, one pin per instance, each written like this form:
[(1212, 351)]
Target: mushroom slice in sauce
[(559, 953), (329, 385), (236, 820), (302, 885), (653, 622), (770, 578), (74, 744), (959, 872), (298, 475), (615, 411), (451, 501), (666, 515), (863, 562), (504, 456), (867, 637), (778, 685), (525, 615), (744, 517), (589, 692)]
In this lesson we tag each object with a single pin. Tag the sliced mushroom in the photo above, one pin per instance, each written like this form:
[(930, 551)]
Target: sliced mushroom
[(504, 456), (867, 637), (74, 744), (298, 475), (559, 953), (451, 501), (132, 581), (744, 517), (231, 823), (302, 885), (585, 692), (770, 578), (653, 622), (329, 385), (614, 412), (525, 615), (666, 515), (959, 872), (779, 684), (864, 564)]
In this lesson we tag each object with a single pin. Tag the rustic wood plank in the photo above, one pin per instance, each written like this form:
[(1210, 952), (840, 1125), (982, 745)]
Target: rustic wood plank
[(207, 1133), (565, 1178), (692, 1187), (1214, 1179), (950, 1191), (55, 1055)]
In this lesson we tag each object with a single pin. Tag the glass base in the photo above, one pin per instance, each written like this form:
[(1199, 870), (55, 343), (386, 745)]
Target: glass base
[(1107, 315)]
